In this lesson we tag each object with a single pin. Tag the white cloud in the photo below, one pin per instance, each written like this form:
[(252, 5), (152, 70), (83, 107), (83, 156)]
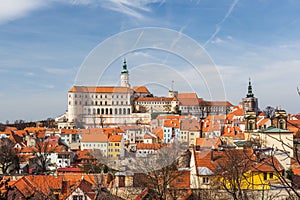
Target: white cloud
[(218, 26), (13, 9), (132, 8)]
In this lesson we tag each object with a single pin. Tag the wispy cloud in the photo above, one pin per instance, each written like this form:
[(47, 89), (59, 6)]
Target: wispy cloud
[(13, 9), (133, 8), (219, 25), (56, 71)]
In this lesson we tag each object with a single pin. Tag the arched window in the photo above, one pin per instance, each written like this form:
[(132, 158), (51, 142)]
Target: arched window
[(120, 111), (94, 111), (98, 111), (116, 111), (110, 111), (106, 111), (100, 103), (89, 111), (251, 126), (102, 111), (96, 102), (105, 102), (124, 111), (128, 110)]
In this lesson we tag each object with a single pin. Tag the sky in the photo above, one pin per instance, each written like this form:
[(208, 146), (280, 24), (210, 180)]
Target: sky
[(211, 47)]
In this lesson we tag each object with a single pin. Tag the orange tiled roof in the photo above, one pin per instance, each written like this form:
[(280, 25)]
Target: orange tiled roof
[(172, 123), (159, 132), (115, 138), (140, 89), (208, 143), (216, 103), (161, 117), (102, 89), (94, 137), (155, 99), (188, 99), (233, 132), (190, 124), (149, 146), (69, 131), (267, 165)]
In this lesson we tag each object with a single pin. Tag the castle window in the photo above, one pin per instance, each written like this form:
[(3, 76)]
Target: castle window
[(110, 111), (106, 111), (128, 111), (89, 111), (116, 111), (102, 111), (98, 111), (69, 102), (124, 111), (96, 102), (94, 111), (105, 102), (120, 111)]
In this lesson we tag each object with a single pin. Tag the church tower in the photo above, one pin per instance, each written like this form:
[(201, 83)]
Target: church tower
[(250, 103), (125, 76)]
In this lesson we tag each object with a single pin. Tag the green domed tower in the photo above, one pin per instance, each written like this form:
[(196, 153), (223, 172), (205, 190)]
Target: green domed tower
[(125, 75)]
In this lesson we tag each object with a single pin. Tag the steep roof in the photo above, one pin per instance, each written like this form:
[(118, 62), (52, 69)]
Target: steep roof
[(115, 138), (188, 99), (102, 89), (141, 89)]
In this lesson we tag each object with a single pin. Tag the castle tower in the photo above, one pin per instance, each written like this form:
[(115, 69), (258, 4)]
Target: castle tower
[(125, 76), (280, 120), (250, 103)]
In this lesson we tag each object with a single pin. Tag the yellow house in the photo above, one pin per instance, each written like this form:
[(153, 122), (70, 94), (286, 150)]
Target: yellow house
[(115, 146), (234, 169)]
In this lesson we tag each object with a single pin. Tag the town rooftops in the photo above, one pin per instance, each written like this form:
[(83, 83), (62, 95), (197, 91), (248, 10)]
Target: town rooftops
[(102, 89)]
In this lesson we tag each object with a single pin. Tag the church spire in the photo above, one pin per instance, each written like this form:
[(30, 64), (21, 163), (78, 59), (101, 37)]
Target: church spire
[(250, 94), (124, 67)]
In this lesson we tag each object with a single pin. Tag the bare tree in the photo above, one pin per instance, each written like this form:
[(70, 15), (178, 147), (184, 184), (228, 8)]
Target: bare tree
[(269, 112), (8, 156)]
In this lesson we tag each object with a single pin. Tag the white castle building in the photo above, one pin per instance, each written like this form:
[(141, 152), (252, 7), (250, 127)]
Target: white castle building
[(102, 106)]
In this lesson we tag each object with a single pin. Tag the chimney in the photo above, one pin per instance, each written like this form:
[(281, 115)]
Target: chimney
[(65, 186), (212, 155)]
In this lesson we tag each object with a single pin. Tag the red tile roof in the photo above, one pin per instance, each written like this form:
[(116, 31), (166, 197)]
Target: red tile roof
[(149, 146), (172, 123), (115, 138), (103, 89), (155, 99), (188, 99), (140, 89)]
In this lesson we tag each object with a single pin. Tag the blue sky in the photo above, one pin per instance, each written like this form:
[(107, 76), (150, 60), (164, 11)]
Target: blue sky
[(43, 43)]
